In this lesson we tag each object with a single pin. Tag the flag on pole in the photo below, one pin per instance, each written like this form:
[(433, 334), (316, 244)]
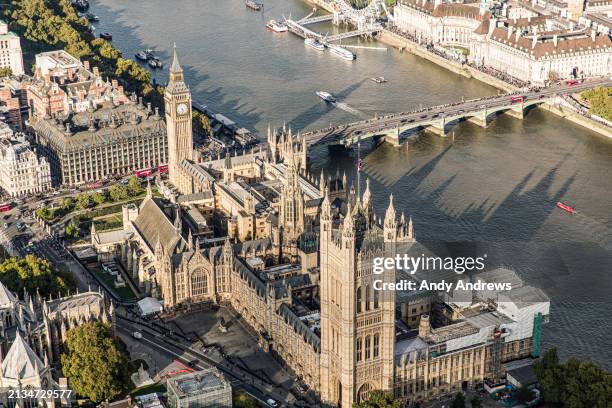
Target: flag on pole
[(359, 164)]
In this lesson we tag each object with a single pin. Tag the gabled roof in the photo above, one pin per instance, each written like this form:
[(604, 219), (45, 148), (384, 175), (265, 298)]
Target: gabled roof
[(21, 362), (152, 222), (7, 297)]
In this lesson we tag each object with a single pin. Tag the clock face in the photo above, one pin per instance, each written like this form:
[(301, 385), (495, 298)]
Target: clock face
[(182, 109)]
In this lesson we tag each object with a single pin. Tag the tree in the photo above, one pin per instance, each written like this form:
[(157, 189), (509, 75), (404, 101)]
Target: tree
[(201, 123), (72, 230), (99, 197), (44, 213), (33, 273), (243, 400), (459, 401), (476, 402), (6, 71), (66, 203), (600, 101), (379, 399), (524, 395), (134, 186), (118, 192), (93, 362), (83, 201)]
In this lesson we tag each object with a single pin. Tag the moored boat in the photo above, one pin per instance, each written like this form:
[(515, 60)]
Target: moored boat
[(253, 5), (314, 43), (342, 52), (106, 36), (92, 17), (276, 26), (141, 55)]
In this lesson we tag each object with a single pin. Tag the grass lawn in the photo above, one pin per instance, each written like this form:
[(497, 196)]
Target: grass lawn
[(148, 389), (124, 292)]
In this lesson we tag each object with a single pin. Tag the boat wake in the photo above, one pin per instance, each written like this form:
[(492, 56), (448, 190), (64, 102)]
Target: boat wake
[(347, 108)]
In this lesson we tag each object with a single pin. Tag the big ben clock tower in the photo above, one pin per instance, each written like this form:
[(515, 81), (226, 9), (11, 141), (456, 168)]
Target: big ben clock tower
[(178, 120)]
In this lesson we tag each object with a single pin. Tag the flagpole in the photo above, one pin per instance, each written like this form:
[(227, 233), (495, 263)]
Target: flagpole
[(359, 168)]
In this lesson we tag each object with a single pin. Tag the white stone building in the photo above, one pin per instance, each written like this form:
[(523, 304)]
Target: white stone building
[(22, 171), (10, 50)]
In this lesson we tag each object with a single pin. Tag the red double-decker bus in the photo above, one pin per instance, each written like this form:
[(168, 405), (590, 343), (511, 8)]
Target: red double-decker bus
[(143, 172), (517, 99), (97, 184), (162, 168), (572, 82), (4, 207)]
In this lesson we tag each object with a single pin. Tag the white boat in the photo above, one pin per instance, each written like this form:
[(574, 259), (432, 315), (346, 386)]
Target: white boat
[(326, 96), (378, 80), (314, 43), (142, 56), (342, 52), (276, 26)]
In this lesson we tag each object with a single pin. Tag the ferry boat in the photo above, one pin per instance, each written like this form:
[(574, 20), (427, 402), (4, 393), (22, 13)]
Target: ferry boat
[(106, 36), (378, 80), (326, 96), (566, 207), (92, 17), (314, 43), (253, 5), (276, 26), (342, 52)]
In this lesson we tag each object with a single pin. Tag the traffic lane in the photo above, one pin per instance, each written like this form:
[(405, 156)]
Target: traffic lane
[(153, 341)]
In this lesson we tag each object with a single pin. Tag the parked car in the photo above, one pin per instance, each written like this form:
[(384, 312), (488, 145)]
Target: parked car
[(137, 335)]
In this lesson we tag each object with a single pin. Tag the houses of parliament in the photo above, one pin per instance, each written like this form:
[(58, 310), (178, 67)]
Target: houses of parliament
[(293, 254)]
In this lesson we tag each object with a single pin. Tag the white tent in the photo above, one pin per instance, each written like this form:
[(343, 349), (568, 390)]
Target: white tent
[(149, 306)]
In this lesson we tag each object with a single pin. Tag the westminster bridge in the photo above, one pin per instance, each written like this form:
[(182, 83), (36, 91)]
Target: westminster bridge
[(440, 119)]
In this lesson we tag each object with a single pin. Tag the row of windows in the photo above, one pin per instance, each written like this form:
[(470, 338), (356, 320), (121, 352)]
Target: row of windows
[(365, 300), (370, 346)]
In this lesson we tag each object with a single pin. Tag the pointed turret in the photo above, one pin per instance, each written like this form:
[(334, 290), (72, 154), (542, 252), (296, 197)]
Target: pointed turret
[(190, 240), (176, 66), (390, 226)]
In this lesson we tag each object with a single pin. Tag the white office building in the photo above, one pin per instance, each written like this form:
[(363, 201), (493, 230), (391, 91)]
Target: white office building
[(10, 50)]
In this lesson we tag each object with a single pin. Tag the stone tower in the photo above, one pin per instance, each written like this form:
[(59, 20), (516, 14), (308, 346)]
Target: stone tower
[(291, 211), (357, 322), (177, 101)]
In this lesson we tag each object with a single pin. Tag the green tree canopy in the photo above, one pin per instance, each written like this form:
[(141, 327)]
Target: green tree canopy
[(83, 201), (33, 273), (379, 399), (574, 384), (134, 186), (5, 71), (99, 197), (93, 362), (72, 230), (600, 100), (119, 193)]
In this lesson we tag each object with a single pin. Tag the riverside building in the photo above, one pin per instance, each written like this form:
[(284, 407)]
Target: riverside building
[(22, 171), (535, 48), (93, 145), (10, 50)]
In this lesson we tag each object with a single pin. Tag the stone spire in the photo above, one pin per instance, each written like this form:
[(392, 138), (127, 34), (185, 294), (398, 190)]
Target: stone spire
[(176, 66), (390, 227), (322, 184)]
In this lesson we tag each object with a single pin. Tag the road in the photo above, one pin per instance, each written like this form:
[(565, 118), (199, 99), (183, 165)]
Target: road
[(175, 349), (389, 122)]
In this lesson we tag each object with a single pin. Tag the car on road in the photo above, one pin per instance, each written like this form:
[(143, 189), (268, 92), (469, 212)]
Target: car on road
[(7, 224), (272, 403), (435, 115), (192, 364), (137, 335)]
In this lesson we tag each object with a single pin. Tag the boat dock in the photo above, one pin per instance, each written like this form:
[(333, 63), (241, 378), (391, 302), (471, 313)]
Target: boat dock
[(312, 20), (297, 28)]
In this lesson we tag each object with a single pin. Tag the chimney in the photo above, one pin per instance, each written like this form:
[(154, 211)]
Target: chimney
[(555, 40), (424, 327), (518, 35), (115, 83), (86, 65), (509, 32), (96, 72), (534, 41)]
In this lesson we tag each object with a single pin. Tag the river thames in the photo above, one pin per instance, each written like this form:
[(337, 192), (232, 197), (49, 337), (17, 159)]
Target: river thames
[(490, 191)]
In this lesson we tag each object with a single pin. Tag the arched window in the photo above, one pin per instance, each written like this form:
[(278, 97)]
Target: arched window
[(358, 348), (376, 295), (367, 297), (199, 283), (364, 393), (367, 348), (376, 345), (358, 300)]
